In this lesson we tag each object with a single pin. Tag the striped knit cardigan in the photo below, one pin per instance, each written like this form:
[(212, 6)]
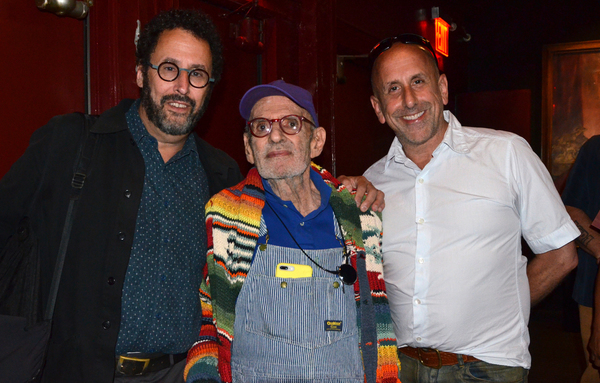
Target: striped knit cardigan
[(233, 221)]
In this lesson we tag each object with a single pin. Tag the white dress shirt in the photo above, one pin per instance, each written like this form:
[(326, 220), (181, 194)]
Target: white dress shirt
[(455, 274)]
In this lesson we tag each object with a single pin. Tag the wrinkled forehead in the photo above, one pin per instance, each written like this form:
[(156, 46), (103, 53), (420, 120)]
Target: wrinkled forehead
[(405, 55), (276, 107)]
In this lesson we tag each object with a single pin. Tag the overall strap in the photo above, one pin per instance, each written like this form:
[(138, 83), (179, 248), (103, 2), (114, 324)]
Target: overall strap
[(368, 321), (82, 162)]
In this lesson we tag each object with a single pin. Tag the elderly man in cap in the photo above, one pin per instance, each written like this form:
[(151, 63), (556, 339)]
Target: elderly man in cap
[(293, 288)]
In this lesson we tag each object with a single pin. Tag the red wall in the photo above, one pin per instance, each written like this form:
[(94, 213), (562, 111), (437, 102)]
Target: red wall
[(45, 53)]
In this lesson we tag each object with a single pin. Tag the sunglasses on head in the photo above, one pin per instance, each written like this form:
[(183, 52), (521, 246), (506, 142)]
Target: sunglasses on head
[(405, 38)]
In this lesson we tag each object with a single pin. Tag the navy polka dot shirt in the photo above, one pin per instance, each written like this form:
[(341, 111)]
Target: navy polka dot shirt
[(160, 305)]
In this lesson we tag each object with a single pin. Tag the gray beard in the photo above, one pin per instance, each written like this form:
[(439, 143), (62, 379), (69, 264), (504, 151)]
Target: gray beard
[(157, 115)]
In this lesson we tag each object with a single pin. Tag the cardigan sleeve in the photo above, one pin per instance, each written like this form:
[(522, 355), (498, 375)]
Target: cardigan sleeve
[(202, 360), (203, 357)]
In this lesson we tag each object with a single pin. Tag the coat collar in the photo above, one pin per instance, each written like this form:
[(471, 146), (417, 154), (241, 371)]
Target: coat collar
[(113, 120)]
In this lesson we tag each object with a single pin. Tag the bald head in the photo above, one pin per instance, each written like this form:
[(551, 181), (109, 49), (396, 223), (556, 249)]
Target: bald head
[(429, 62)]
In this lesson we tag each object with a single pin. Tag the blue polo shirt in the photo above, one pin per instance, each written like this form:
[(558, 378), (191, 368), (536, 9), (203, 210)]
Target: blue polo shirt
[(160, 306), (315, 231)]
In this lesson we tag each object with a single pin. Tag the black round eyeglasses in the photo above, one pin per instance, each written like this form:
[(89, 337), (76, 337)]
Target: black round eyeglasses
[(168, 71)]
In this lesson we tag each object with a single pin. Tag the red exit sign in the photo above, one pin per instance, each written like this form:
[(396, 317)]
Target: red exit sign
[(441, 36)]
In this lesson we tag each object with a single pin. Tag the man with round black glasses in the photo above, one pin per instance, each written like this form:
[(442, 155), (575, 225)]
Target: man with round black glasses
[(294, 288), (127, 308), (458, 201)]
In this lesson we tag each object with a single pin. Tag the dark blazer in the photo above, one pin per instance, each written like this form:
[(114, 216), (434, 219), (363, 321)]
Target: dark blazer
[(88, 308)]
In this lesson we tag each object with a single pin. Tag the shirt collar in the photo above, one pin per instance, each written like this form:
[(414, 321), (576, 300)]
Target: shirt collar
[(455, 137), (136, 126)]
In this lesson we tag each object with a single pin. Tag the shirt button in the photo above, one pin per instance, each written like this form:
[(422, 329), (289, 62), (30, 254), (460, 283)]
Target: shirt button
[(421, 180), (301, 223), (127, 194), (421, 260), (106, 324), (121, 236), (163, 277), (284, 285), (421, 220), (111, 281), (418, 339), (418, 301), (336, 284)]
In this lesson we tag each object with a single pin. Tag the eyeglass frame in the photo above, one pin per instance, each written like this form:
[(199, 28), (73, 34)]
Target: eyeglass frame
[(271, 121), (404, 38), (156, 68)]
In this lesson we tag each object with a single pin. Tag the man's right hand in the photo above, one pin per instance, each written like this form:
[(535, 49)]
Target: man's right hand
[(373, 197)]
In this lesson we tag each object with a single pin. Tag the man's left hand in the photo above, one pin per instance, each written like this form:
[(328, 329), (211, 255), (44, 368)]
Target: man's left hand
[(594, 347), (373, 197)]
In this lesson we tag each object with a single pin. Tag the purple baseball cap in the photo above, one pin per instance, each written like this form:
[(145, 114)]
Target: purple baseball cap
[(300, 96)]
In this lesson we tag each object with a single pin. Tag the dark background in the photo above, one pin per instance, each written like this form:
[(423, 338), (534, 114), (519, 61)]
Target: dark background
[(495, 81)]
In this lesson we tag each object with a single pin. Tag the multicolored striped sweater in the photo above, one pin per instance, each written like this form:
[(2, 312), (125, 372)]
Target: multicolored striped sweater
[(233, 221)]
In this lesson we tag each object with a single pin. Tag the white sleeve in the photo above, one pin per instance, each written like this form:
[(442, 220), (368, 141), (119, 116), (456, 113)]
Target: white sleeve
[(545, 223)]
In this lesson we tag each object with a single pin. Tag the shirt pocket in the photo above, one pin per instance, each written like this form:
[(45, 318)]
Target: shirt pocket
[(297, 310)]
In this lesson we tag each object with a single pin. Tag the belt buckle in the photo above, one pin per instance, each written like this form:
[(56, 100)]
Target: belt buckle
[(128, 365), (439, 357)]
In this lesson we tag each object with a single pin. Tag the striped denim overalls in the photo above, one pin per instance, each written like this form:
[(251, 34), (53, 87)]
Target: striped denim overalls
[(280, 323)]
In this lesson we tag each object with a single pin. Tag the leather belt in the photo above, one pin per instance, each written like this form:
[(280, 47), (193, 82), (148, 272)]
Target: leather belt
[(135, 363), (433, 358)]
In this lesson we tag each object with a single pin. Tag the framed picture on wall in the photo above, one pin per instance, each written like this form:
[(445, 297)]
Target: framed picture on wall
[(570, 102)]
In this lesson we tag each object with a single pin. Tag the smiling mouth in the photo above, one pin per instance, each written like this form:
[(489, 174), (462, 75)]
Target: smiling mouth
[(413, 116), (178, 105)]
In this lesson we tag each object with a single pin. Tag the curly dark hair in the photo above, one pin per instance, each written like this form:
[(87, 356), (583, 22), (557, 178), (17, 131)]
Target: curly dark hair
[(194, 21)]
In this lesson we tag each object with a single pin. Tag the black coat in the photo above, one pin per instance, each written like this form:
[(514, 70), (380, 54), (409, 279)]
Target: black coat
[(88, 308)]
